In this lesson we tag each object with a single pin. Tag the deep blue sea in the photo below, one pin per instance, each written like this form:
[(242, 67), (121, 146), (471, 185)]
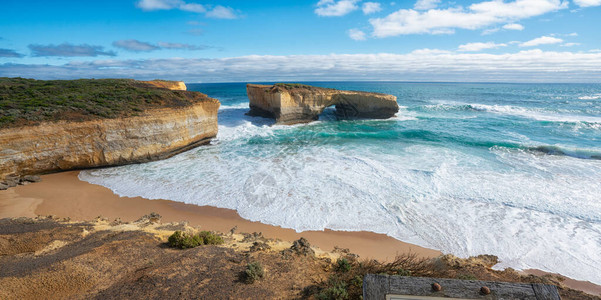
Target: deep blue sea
[(512, 170)]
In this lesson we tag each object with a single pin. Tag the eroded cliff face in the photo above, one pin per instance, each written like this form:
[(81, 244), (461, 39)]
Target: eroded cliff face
[(172, 85), (301, 104), (63, 145)]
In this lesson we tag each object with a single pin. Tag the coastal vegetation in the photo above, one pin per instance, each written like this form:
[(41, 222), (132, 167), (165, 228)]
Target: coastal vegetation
[(293, 86), (185, 240), (29, 101), (254, 272)]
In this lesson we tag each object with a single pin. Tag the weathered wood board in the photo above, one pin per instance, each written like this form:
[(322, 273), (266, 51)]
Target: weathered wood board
[(387, 287)]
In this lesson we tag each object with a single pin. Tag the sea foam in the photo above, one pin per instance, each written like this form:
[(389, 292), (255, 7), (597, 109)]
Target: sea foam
[(404, 177)]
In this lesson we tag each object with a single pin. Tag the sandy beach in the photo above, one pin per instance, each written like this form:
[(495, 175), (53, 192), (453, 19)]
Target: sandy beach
[(64, 195)]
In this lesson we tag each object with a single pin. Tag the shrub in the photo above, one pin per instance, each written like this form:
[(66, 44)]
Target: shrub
[(210, 238), (403, 272), (254, 271), (336, 290), (184, 240), (343, 265)]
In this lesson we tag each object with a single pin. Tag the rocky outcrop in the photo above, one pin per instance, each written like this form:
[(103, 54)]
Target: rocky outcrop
[(294, 103), (65, 145), (166, 84)]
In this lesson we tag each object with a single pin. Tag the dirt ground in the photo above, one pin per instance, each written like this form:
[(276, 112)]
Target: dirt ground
[(48, 258)]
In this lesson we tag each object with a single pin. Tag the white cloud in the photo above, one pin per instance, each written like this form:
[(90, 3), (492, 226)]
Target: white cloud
[(218, 12), (331, 8), (587, 3), (513, 26), (476, 16), (356, 34), (221, 12), (420, 65), (193, 7), (570, 44), (426, 4), (371, 7), (490, 31), (158, 4), (543, 40), (473, 47), (573, 34)]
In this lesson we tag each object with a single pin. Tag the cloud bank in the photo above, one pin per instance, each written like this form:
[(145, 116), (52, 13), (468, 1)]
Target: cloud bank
[(138, 46), (420, 65), (9, 53)]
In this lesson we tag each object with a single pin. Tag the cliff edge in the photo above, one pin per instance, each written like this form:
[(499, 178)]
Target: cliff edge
[(296, 103), (124, 122)]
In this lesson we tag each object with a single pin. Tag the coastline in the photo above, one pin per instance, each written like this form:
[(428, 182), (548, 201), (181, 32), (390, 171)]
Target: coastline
[(64, 195)]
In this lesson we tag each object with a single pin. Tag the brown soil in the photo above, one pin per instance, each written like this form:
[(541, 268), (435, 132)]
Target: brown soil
[(47, 258)]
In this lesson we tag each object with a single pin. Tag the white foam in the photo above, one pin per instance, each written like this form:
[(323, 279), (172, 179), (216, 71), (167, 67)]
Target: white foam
[(524, 112), (590, 97), (541, 212)]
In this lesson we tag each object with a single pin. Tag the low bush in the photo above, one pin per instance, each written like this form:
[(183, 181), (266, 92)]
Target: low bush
[(343, 265), (210, 238), (254, 272), (184, 240), (335, 290)]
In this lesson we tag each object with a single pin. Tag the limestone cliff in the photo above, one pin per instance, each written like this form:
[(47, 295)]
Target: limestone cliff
[(172, 85), (63, 145), (293, 103)]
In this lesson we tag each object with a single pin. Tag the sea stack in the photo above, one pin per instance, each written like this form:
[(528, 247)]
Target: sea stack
[(158, 121), (297, 103)]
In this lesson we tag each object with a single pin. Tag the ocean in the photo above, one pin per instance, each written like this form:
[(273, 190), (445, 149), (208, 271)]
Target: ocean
[(512, 170)]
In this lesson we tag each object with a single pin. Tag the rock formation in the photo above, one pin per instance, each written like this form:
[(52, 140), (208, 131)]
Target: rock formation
[(172, 85), (63, 145), (295, 103)]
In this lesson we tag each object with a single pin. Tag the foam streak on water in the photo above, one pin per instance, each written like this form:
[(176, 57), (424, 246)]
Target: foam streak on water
[(509, 170)]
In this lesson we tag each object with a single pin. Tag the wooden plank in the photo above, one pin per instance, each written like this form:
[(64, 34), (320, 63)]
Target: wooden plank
[(546, 292), (376, 287)]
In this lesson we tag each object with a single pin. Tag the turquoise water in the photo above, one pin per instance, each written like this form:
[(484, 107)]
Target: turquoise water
[(507, 169)]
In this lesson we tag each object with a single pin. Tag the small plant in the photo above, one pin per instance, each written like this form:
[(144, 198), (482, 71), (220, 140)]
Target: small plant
[(336, 290), (184, 240), (403, 272), (254, 271), (210, 238), (343, 265)]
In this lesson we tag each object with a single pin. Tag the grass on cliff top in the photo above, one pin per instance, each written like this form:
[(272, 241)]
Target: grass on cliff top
[(29, 102), (289, 86)]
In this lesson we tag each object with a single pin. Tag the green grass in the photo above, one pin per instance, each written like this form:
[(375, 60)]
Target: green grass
[(29, 102)]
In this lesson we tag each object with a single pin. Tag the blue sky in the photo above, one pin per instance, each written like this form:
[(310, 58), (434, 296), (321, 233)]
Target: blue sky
[(209, 41)]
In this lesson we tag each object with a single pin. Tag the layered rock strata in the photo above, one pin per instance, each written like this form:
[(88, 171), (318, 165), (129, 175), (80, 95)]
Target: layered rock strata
[(292, 103), (65, 145)]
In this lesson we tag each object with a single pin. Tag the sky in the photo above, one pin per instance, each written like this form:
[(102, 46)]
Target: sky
[(296, 40)]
